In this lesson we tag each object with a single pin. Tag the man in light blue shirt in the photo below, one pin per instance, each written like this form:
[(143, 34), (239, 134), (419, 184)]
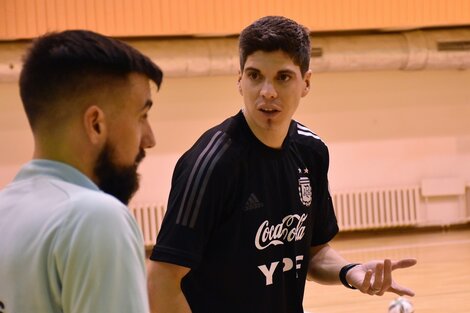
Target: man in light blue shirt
[(67, 240)]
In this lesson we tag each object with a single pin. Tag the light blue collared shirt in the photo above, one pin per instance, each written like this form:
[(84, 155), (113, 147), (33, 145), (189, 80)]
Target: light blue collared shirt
[(66, 246)]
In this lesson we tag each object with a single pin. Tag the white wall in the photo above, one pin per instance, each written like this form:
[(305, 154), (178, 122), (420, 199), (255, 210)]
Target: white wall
[(382, 128), (16, 142)]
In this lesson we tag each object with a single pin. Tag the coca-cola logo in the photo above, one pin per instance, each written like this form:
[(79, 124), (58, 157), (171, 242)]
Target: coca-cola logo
[(290, 229)]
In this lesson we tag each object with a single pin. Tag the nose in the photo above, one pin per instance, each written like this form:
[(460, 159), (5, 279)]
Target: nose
[(268, 91), (148, 139)]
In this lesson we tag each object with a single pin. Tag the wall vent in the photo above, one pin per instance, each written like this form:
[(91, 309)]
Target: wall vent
[(453, 46), (377, 208), (355, 210), (316, 52)]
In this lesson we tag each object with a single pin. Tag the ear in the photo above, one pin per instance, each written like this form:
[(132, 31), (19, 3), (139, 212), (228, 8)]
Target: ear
[(94, 122), (306, 79), (239, 83)]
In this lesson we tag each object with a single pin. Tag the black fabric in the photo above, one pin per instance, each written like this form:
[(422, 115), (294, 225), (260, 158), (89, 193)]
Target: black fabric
[(241, 216)]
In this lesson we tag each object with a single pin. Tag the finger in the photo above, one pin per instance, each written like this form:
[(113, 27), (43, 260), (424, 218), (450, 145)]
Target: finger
[(377, 285), (364, 288), (401, 291), (387, 277), (403, 263)]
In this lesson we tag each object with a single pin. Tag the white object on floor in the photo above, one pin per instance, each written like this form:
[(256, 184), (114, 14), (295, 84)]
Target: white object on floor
[(400, 305)]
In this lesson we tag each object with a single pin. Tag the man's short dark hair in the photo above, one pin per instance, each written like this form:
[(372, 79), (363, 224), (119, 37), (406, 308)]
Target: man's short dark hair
[(60, 67), (272, 33)]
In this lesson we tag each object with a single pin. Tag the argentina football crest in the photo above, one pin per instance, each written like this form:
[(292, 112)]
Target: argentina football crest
[(305, 191)]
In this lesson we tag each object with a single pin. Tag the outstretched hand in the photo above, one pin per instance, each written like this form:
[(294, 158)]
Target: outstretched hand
[(375, 277)]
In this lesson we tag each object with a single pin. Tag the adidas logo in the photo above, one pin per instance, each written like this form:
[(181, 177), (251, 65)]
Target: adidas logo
[(253, 203)]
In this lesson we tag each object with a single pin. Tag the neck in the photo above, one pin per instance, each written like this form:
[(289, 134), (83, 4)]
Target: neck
[(272, 137), (68, 153)]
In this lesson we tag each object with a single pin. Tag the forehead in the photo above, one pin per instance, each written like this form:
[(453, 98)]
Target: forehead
[(139, 83), (131, 94), (138, 87), (271, 61)]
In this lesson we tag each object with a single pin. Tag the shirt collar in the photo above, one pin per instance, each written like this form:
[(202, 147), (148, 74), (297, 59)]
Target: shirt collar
[(59, 170)]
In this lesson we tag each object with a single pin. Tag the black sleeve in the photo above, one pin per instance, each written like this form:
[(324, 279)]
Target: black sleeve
[(325, 226), (194, 205)]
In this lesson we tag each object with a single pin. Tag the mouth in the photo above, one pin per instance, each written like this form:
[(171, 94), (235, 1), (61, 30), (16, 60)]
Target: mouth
[(269, 111)]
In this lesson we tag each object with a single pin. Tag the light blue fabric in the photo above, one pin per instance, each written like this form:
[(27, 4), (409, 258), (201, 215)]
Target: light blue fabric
[(65, 246)]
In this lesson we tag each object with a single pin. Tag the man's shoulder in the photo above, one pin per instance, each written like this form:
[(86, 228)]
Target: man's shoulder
[(216, 154), (81, 196), (215, 143), (53, 192), (94, 206), (306, 137), (223, 131), (97, 204)]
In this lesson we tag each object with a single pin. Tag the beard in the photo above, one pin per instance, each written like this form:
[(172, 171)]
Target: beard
[(120, 181)]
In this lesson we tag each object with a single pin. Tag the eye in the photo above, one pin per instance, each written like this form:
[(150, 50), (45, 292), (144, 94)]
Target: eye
[(284, 77), (253, 75)]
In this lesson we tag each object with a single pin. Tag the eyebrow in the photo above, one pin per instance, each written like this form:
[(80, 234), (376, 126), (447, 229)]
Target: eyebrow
[(284, 71), (251, 69)]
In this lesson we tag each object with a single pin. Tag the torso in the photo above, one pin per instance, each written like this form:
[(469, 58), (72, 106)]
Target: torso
[(256, 254)]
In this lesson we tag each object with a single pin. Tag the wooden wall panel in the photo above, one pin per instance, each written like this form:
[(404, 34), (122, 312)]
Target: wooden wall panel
[(129, 18)]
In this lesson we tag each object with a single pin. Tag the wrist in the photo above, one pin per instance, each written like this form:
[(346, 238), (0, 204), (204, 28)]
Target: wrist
[(343, 272)]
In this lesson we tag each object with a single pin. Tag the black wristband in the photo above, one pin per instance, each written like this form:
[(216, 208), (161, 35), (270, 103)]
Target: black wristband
[(342, 275)]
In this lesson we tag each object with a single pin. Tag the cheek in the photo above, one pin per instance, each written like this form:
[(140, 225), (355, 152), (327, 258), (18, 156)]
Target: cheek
[(294, 94), (250, 94), (248, 89), (127, 143)]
